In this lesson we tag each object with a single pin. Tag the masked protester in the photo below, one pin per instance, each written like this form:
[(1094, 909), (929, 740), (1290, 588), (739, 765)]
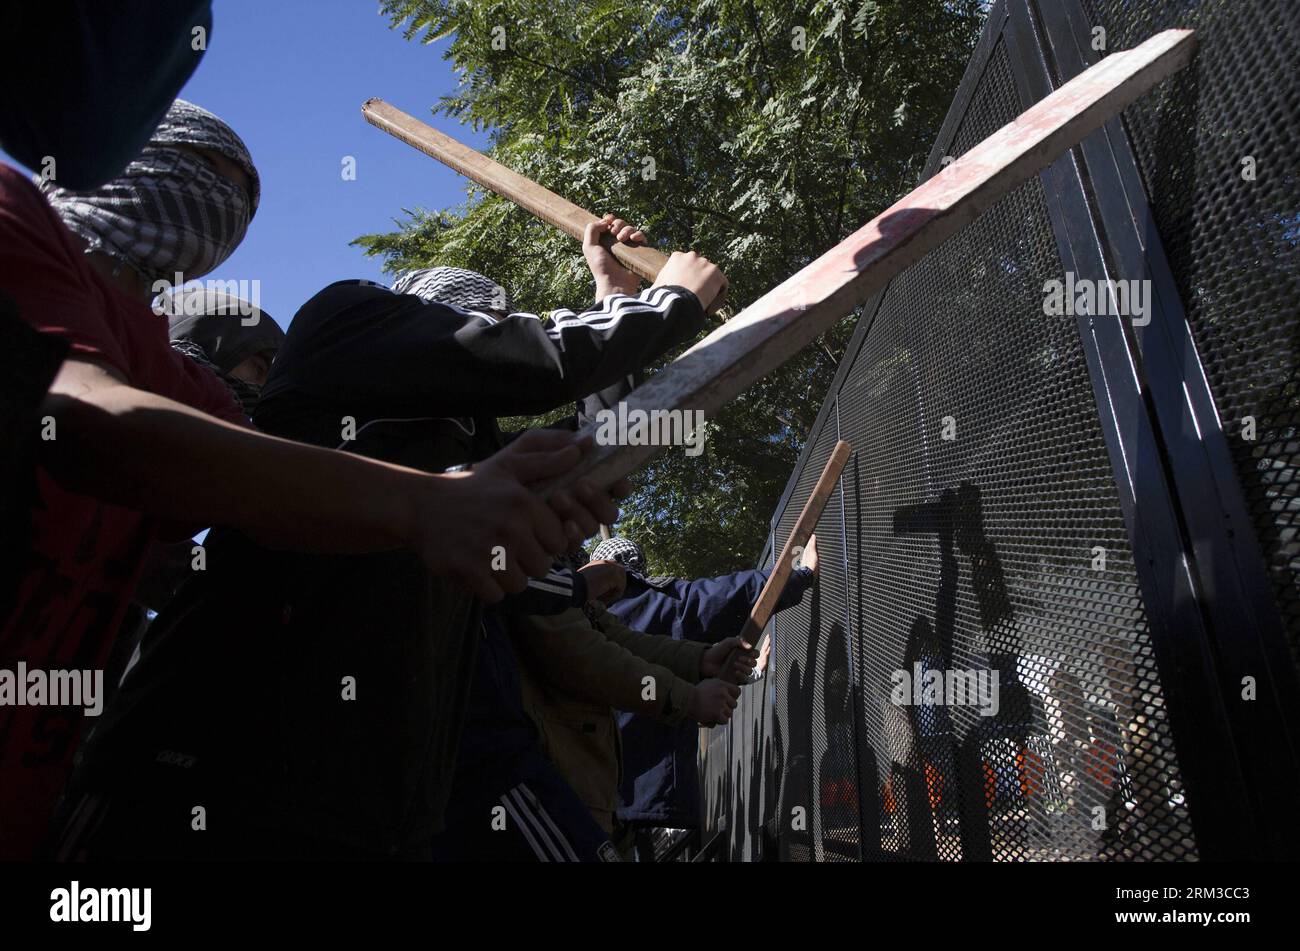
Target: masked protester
[(78, 124), (438, 725), (83, 557), (232, 337), (658, 786), (237, 341), (136, 437), (176, 212)]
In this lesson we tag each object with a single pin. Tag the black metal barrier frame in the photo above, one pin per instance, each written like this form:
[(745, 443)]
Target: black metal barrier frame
[(1212, 617)]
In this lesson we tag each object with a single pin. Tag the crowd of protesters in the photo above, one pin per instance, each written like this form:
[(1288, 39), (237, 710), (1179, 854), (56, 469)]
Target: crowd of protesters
[(387, 646)]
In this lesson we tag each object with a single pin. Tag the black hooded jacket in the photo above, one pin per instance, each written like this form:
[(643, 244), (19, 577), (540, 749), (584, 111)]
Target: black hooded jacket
[(243, 677)]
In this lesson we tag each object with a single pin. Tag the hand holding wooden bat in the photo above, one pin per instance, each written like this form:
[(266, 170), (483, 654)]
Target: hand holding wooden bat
[(597, 243), (801, 537), (730, 660), (712, 702)]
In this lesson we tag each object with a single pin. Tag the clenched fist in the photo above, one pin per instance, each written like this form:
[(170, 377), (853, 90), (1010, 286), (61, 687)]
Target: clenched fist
[(606, 580), (712, 702), (730, 659), (697, 274)]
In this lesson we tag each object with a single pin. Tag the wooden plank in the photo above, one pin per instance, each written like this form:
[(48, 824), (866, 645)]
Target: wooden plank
[(643, 261), (804, 526), (789, 317)]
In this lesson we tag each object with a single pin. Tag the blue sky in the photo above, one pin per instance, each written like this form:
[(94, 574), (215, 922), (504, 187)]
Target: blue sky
[(290, 76)]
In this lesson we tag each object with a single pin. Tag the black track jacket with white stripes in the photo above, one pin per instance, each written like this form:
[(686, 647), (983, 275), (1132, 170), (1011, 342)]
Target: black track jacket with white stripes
[(373, 353), (390, 377)]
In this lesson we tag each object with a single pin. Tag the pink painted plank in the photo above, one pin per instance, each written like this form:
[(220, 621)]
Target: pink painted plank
[(790, 316)]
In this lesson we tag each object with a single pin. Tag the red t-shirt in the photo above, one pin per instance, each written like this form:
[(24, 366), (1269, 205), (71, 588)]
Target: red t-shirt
[(83, 556)]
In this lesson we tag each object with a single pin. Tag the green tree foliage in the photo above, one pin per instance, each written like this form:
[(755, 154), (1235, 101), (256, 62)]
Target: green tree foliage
[(758, 132)]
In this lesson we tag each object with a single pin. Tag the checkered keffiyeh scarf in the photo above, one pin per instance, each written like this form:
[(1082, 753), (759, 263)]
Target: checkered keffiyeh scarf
[(455, 286), (245, 393), (170, 211), (188, 124), (623, 551)]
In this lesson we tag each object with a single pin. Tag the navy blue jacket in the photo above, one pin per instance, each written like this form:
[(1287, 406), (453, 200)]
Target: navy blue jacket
[(660, 783)]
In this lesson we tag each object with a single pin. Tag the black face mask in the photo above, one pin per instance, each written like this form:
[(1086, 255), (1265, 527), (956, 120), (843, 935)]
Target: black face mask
[(228, 331)]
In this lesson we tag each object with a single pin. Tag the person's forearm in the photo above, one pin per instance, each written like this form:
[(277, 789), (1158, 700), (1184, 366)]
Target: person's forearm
[(801, 579), (576, 659), (149, 453), (682, 657), (606, 286), (559, 591)]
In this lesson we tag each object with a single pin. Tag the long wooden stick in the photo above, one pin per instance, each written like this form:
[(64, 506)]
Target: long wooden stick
[(790, 316), (804, 526), (643, 261)]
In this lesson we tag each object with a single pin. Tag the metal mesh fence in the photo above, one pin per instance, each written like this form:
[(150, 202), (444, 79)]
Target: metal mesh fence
[(988, 549), (1217, 147), (817, 802), (738, 770), (973, 678), (714, 779)]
